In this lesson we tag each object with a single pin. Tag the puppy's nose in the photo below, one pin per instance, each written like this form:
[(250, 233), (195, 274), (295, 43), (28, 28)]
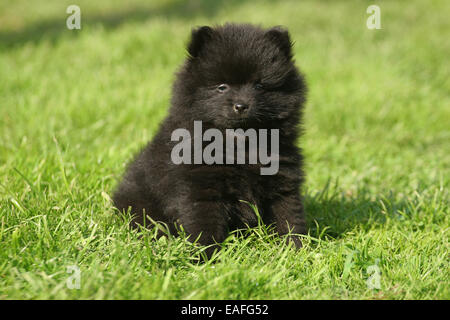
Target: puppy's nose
[(240, 107)]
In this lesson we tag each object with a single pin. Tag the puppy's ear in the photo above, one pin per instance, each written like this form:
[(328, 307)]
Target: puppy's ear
[(199, 37), (281, 38)]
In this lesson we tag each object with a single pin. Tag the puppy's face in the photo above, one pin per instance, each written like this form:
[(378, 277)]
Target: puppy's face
[(240, 76)]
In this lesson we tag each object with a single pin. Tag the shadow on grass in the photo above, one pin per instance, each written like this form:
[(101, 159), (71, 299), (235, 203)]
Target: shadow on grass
[(333, 214), (53, 29)]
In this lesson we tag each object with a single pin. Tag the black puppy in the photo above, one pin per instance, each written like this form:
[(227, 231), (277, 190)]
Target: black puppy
[(236, 76)]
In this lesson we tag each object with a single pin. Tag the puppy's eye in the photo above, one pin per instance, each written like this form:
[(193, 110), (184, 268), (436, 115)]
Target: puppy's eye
[(258, 86), (222, 88)]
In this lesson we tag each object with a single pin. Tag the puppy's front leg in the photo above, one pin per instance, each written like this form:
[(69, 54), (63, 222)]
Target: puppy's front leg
[(206, 221), (289, 217)]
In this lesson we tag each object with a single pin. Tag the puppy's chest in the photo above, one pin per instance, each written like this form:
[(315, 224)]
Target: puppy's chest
[(242, 194), (239, 190)]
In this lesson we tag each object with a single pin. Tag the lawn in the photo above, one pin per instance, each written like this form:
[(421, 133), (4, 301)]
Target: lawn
[(75, 105)]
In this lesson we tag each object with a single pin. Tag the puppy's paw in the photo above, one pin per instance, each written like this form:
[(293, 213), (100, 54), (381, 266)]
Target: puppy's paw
[(295, 240)]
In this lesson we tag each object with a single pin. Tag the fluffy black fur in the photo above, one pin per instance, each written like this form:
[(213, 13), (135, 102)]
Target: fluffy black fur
[(258, 71)]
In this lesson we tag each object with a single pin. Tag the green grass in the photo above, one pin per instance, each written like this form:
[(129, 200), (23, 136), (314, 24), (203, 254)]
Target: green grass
[(76, 105)]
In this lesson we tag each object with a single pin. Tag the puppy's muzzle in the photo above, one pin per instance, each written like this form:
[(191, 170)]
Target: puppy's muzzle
[(240, 108)]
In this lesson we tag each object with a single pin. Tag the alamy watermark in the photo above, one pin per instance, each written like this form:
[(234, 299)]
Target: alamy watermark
[(74, 20), (214, 153), (374, 20), (373, 282), (74, 280)]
